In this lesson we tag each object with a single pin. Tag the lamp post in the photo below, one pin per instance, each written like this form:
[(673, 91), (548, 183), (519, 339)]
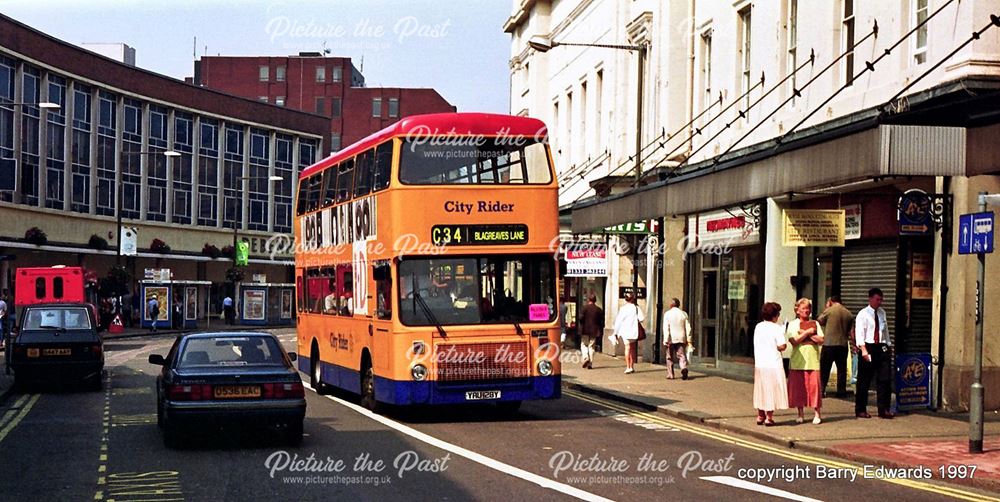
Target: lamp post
[(246, 207), (121, 194)]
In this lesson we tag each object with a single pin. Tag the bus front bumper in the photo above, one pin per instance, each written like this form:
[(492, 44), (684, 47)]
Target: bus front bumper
[(435, 392)]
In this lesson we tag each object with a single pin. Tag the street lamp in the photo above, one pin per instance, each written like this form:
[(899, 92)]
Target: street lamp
[(121, 194), (236, 224)]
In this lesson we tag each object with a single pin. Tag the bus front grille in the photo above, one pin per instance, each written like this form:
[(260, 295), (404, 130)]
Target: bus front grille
[(482, 361)]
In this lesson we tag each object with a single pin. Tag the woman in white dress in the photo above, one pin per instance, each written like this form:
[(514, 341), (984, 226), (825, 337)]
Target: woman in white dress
[(627, 328), (770, 392)]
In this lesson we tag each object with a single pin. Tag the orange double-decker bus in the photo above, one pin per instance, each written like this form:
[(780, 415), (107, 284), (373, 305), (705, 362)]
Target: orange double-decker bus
[(424, 265)]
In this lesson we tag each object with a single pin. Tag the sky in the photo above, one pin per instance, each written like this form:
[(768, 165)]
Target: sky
[(455, 46)]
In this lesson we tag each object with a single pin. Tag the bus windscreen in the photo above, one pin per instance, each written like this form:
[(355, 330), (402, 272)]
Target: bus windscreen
[(474, 160)]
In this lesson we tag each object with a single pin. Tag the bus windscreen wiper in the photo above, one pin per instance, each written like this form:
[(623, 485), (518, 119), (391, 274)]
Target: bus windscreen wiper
[(429, 313)]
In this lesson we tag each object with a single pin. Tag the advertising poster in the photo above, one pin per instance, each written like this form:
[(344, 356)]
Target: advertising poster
[(286, 304), (190, 303), (253, 304), (161, 293)]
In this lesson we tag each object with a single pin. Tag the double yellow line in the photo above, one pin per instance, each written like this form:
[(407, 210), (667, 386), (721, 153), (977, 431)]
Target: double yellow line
[(16, 413), (776, 451)]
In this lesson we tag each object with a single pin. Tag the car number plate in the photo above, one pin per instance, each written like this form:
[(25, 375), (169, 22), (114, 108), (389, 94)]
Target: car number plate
[(33, 352), (236, 391), (57, 352), (478, 395)]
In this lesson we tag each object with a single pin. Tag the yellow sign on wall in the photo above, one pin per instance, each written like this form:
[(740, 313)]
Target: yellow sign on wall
[(813, 227)]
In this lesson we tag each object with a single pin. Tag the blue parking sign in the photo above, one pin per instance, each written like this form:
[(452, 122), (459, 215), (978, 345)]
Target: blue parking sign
[(975, 233)]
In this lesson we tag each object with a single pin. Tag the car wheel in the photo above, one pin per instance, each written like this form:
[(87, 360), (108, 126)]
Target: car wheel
[(293, 433), (368, 389), (316, 374)]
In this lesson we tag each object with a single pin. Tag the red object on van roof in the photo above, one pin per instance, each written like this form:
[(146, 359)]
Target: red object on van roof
[(34, 285)]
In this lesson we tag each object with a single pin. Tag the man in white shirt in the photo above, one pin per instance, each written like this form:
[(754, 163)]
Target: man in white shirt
[(871, 332), (676, 332)]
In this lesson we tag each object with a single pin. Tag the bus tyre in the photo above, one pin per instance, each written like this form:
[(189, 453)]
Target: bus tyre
[(368, 389), (316, 374)]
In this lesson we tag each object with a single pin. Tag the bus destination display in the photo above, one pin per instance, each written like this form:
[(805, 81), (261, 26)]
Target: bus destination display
[(479, 235)]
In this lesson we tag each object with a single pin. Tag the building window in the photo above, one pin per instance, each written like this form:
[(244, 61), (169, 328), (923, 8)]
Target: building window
[(279, 74), (320, 105), (208, 174), (598, 109), (792, 33), (393, 107), (131, 159), (156, 166), (280, 101), (337, 73), (744, 51), (847, 33), (7, 163), (920, 42), (232, 171), (377, 107), (335, 107), (321, 74), (257, 185), (263, 73), (706, 69), (334, 142), (107, 185), (55, 147), (30, 140), (80, 152), (182, 168), (283, 188)]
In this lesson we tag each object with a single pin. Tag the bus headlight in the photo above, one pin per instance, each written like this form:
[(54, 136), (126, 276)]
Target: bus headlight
[(419, 372), (544, 367)]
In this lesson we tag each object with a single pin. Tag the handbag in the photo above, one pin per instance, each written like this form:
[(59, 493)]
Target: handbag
[(642, 330)]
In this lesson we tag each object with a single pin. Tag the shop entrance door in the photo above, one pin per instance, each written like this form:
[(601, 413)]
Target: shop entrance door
[(707, 299)]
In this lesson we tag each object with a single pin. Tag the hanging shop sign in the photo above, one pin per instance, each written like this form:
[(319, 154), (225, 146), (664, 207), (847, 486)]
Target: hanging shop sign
[(914, 213), (812, 227), (736, 226), (852, 221)]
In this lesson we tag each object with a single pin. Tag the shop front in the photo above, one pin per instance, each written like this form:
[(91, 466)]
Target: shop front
[(725, 265), (584, 264)]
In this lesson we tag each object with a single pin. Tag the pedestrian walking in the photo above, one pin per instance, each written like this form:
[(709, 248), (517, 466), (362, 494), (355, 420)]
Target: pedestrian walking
[(591, 329), (229, 310), (806, 337), (627, 326), (3, 318), (872, 337), (770, 391), (837, 323), (153, 307), (676, 337)]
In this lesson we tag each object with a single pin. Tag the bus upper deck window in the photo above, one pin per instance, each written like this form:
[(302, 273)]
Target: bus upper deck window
[(57, 287), (40, 288)]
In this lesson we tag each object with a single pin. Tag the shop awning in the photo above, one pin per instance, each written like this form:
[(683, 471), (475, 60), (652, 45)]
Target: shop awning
[(859, 151)]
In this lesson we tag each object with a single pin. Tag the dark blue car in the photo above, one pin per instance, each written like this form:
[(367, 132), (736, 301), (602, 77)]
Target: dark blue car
[(219, 379), (57, 342)]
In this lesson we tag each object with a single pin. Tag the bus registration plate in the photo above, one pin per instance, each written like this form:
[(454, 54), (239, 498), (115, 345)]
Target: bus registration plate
[(479, 395)]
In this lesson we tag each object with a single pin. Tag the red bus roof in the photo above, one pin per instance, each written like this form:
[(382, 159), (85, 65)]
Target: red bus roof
[(439, 124)]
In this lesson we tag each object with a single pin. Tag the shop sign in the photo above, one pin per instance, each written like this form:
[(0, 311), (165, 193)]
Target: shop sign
[(728, 227), (157, 274), (914, 213), (586, 259), (852, 222), (640, 293), (260, 278), (922, 283), (737, 289), (913, 381), (812, 227), (639, 227)]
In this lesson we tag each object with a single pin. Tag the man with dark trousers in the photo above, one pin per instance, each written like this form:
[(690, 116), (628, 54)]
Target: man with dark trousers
[(837, 322), (872, 337)]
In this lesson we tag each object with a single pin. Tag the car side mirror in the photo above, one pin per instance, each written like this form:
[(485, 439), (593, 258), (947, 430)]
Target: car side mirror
[(157, 360), (292, 356)]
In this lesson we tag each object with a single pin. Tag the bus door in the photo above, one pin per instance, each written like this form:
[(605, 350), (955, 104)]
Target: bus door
[(380, 318)]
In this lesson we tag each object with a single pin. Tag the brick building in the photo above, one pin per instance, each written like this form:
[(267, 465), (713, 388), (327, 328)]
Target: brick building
[(330, 86)]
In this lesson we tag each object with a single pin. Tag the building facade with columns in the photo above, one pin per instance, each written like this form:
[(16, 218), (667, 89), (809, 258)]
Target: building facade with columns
[(794, 108)]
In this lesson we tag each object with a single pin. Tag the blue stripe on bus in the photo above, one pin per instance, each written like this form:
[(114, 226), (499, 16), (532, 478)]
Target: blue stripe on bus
[(402, 392)]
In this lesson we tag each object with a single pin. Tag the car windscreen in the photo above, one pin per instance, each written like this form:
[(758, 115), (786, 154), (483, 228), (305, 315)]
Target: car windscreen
[(57, 318), (231, 351)]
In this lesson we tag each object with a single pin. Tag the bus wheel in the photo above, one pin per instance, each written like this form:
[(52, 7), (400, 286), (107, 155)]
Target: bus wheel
[(316, 375), (368, 388)]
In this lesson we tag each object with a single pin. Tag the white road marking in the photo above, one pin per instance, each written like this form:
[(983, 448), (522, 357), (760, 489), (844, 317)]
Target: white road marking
[(471, 455), (767, 490)]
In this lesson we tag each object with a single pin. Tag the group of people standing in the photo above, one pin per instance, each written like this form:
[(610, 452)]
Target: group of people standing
[(799, 381)]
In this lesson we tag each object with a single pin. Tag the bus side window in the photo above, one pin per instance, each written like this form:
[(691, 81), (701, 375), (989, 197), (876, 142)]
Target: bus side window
[(39, 288), (57, 287), (300, 202), (329, 285), (345, 181), (330, 185), (345, 288), (383, 166), (314, 291), (300, 288), (363, 173), (383, 290)]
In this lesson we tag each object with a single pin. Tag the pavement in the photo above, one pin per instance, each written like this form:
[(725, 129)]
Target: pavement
[(921, 438)]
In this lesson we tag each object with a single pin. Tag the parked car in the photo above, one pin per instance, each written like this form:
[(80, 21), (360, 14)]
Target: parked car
[(233, 378), (57, 342)]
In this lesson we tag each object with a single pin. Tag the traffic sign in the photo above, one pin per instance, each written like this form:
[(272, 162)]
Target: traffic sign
[(914, 213), (975, 233)]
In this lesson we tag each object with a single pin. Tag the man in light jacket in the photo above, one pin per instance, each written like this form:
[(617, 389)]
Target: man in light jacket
[(676, 337)]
